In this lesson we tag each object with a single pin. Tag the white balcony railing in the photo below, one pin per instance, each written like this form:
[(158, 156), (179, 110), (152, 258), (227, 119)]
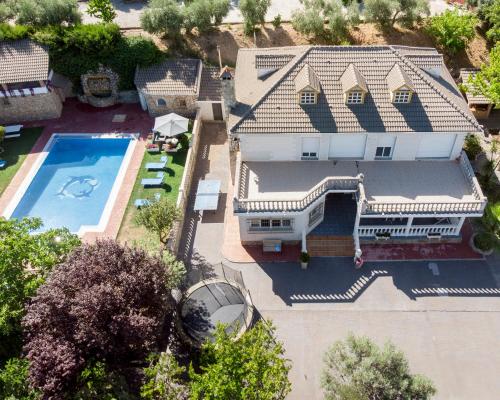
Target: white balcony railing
[(468, 207), (403, 231), (340, 184)]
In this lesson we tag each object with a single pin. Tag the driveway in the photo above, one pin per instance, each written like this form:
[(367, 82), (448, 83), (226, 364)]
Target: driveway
[(128, 14), (445, 317)]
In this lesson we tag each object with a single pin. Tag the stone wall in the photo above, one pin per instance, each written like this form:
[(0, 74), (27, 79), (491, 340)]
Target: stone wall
[(30, 108), (174, 104)]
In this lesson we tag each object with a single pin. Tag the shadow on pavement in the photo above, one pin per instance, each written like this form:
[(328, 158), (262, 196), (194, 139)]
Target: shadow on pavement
[(335, 279)]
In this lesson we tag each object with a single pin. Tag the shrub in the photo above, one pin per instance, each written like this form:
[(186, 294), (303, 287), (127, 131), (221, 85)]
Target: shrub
[(46, 12), (453, 30), (14, 32), (277, 21), (358, 369), (487, 81), (472, 146), (380, 11), (386, 13), (163, 17), (96, 381), (26, 260), (197, 15), (250, 368), (484, 241), (162, 379), (184, 142), (14, 381), (104, 303), (159, 217), (254, 13), (308, 22), (101, 9), (490, 12), (5, 12)]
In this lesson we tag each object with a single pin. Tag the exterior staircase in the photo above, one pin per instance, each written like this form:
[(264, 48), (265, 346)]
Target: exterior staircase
[(330, 246)]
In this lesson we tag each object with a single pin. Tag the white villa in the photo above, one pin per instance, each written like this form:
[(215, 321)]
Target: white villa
[(340, 145)]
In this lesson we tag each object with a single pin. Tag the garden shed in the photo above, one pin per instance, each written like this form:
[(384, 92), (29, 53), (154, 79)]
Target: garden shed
[(181, 86)]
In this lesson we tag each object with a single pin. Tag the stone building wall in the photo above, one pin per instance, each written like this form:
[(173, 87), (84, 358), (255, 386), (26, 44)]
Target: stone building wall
[(30, 108), (174, 104)]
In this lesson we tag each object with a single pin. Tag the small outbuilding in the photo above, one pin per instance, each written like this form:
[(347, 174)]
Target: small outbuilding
[(26, 90), (181, 86), (479, 104)]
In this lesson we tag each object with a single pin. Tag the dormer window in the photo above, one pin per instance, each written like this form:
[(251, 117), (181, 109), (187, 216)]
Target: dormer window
[(353, 85), (402, 96), (307, 86), (307, 98), (355, 97), (400, 85)]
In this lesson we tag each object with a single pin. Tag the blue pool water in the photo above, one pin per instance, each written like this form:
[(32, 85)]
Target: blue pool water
[(73, 184)]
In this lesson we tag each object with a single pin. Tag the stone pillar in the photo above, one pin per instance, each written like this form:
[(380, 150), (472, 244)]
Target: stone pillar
[(304, 241), (408, 226), (458, 228)]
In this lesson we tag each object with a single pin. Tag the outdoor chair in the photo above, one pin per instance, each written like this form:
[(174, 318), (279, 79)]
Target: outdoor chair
[(3, 163), (158, 181), (157, 165), (13, 131), (139, 203)]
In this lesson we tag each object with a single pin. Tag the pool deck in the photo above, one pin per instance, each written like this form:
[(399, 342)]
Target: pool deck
[(82, 118)]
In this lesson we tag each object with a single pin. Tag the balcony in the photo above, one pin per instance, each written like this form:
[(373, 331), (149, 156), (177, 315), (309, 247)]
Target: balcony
[(388, 188)]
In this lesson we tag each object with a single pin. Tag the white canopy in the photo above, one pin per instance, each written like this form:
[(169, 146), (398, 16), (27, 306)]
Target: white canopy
[(170, 125)]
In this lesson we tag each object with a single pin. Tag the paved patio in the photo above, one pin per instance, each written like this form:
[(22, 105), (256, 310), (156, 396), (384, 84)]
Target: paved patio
[(82, 118), (445, 316)]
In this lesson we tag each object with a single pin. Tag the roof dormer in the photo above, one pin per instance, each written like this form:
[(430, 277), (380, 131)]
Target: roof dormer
[(307, 86), (353, 85), (400, 85)]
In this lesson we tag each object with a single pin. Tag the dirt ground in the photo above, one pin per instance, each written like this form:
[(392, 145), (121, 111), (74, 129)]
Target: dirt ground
[(230, 38)]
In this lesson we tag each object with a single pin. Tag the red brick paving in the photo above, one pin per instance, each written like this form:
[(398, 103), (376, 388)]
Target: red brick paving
[(423, 251), (82, 118)]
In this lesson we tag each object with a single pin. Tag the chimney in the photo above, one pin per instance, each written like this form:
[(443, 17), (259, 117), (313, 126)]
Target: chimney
[(228, 90)]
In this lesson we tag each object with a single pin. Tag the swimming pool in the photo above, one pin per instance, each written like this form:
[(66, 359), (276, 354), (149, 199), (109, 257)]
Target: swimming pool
[(74, 183)]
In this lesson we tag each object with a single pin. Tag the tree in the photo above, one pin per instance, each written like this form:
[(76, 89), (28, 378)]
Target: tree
[(26, 260), (101, 9), (490, 12), (254, 13), (159, 217), (104, 303), (203, 14), (490, 167), (472, 146), (252, 367), (14, 381), (358, 369), (387, 13), (46, 12), (163, 17), (162, 379), (487, 81), (308, 22), (5, 12), (452, 29)]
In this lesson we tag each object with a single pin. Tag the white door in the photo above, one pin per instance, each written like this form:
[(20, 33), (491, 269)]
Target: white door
[(347, 146), (310, 148), (436, 145)]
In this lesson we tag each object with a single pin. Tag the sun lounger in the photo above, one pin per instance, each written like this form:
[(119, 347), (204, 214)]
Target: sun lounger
[(3, 163), (158, 181), (13, 131), (139, 203), (157, 165)]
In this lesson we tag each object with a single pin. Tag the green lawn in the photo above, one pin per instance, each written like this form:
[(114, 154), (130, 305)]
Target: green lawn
[(129, 231), (16, 150)]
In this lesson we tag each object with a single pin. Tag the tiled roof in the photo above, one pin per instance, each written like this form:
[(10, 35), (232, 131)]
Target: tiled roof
[(397, 77), (23, 61), (272, 61), (352, 78), (210, 86), (272, 107), (472, 97), (307, 78), (170, 76)]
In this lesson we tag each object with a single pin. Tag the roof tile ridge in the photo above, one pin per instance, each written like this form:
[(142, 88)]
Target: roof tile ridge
[(417, 70), (276, 84)]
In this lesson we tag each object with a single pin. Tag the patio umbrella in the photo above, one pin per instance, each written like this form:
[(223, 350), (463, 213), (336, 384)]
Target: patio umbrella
[(170, 125)]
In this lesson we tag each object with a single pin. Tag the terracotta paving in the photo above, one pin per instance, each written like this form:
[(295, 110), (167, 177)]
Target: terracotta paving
[(82, 118), (423, 251)]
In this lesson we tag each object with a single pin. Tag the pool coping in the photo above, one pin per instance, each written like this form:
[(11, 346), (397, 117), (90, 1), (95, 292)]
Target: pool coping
[(86, 232)]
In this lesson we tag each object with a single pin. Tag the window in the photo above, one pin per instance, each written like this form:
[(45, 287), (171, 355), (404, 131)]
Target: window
[(355, 97), (270, 225), (182, 103), (402, 96), (309, 155), (307, 98), (161, 102), (383, 152)]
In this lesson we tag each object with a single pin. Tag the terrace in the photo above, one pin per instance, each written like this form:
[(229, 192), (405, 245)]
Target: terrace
[(389, 187)]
